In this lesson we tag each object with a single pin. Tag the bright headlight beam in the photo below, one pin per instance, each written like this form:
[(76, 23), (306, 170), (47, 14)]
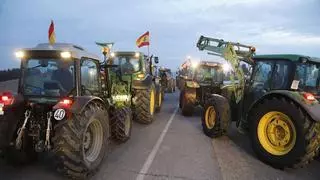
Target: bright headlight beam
[(19, 54), (194, 64), (136, 54), (65, 55), (226, 67)]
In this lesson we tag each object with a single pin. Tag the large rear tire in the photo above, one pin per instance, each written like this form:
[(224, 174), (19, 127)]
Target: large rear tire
[(188, 99), (80, 144), (121, 124), (282, 134), (216, 116), (144, 106)]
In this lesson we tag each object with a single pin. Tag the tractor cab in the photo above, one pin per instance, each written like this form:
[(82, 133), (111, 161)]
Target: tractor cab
[(48, 72)]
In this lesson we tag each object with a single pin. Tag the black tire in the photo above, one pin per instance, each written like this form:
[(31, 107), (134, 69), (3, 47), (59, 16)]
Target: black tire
[(307, 137), (70, 142), (221, 108), (159, 99), (121, 124), (142, 112), (188, 101)]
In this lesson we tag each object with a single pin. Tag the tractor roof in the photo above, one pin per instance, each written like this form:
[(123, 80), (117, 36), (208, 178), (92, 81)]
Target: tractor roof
[(76, 51), (291, 57)]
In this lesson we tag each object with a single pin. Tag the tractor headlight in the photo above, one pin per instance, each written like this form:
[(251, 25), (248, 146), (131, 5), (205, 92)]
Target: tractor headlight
[(226, 67), (112, 54), (65, 55), (136, 54), (20, 54), (194, 64)]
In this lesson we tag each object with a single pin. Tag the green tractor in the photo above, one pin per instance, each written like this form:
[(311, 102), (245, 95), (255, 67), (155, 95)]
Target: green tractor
[(207, 78), (167, 81), (147, 94), (278, 106), (64, 105)]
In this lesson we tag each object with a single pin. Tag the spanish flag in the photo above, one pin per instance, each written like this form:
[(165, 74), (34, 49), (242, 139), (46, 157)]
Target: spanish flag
[(52, 36), (143, 40)]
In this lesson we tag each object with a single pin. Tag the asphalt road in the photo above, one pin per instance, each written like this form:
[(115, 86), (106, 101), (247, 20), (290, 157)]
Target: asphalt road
[(174, 147)]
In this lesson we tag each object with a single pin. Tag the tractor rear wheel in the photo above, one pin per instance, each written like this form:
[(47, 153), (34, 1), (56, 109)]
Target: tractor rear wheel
[(80, 144), (282, 134), (121, 124), (145, 105), (187, 101), (216, 116)]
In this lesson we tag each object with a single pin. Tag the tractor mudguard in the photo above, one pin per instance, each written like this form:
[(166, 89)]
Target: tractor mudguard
[(142, 84), (192, 84), (79, 104), (10, 119), (312, 108)]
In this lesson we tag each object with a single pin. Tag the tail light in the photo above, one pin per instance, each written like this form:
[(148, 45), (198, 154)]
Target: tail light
[(65, 102), (6, 98), (309, 96)]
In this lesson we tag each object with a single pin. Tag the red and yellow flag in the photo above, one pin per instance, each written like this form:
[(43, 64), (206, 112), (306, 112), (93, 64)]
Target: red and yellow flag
[(52, 36), (143, 40)]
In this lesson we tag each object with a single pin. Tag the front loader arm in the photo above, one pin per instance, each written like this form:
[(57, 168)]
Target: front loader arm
[(232, 52)]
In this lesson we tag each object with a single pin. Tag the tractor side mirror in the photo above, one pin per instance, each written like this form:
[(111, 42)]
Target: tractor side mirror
[(156, 59)]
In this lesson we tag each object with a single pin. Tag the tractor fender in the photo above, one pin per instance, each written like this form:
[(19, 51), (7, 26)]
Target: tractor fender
[(312, 108), (142, 84), (190, 94), (82, 101), (192, 84), (79, 104)]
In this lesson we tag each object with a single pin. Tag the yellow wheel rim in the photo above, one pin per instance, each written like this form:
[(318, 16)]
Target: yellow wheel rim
[(210, 117), (276, 133), (160, 99), (152, 102)]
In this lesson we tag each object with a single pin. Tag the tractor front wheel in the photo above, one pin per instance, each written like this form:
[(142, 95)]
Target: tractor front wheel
[(216, 116), (121, 124), (145, 105), (282, 134), (80, 144), (187, 101)]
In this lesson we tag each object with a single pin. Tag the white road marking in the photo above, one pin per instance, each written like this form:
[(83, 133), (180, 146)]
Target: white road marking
[(145, 168)]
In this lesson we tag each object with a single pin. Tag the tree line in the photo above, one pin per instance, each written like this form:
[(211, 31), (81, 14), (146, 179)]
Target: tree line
[(9, 74)]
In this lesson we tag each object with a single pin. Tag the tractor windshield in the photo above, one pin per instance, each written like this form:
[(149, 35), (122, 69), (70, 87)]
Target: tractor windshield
[(48, 77), (207, 73), (308, 76), (128, 64)]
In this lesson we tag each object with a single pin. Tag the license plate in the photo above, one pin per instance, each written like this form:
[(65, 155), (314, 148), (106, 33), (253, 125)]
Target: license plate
[(1, 109)]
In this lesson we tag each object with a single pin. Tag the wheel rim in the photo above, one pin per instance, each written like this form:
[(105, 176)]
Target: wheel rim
[(210, 117), (277, 133), (127, 124), (160, 99), (93, 140), (152, 102)]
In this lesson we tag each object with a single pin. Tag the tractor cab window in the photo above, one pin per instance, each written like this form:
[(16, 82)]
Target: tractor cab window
[(280, 76), (262, 75), (128, 64), (308, 76), (89, 77), (48, 77), (205, 73)]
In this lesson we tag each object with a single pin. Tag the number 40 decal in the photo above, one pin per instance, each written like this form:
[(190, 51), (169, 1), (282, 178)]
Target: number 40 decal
[(59, 114)]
